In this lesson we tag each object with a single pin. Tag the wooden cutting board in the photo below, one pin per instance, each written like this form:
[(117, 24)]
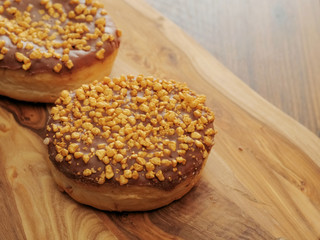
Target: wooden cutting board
[(262, 180)]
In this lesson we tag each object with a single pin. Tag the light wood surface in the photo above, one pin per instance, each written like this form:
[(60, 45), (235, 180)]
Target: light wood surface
[(262, 180), (272, 45)]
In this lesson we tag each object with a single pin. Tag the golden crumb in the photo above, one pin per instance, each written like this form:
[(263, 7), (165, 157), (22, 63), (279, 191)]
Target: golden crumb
[(100, 54), (57, 68)]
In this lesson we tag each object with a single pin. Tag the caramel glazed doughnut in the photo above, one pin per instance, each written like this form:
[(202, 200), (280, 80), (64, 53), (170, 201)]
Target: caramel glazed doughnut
[(50, 45), (129, 144)]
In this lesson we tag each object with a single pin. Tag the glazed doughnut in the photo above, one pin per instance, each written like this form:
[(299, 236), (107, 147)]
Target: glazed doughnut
[(47, 46), (129, 143)]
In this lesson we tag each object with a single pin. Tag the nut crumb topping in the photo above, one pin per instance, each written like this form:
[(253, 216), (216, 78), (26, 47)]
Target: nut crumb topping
[(47, 29), (130, 129)]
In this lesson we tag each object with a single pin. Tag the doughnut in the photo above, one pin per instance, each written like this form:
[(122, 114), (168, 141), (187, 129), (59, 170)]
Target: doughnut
[(47, 46), (129, 143)]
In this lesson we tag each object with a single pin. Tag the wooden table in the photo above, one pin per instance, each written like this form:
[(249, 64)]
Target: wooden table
[(272, 45), (261, 181)]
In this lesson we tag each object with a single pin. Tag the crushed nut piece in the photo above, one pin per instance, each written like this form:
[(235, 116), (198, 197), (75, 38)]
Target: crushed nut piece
[(109, 172), (123, 180), (160, 176), (57, 68), (87, 172), (196, 135), (100, 54)]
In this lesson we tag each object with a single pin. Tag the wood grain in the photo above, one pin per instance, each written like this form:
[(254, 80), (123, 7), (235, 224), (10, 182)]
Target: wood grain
[(31, 115), (272, 45), (262, 181)]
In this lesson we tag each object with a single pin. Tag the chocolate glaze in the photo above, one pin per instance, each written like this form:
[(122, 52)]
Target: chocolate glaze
[(80, 58), (193, 166)]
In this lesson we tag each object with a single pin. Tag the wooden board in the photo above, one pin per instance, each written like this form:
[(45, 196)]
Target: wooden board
[(262, 180)]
